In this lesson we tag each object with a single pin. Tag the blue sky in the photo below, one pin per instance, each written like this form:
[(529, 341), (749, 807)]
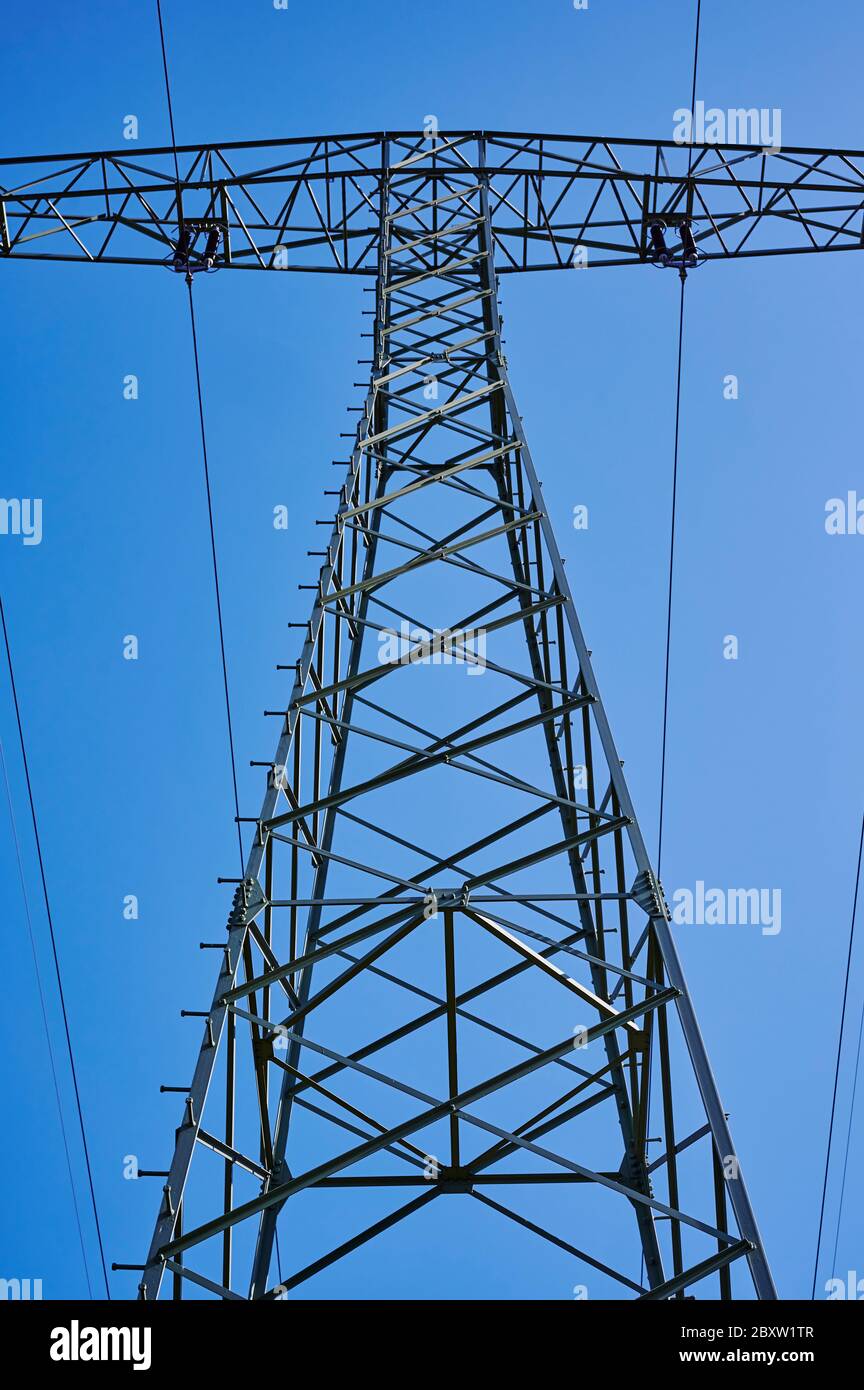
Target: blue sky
[(764, 782)]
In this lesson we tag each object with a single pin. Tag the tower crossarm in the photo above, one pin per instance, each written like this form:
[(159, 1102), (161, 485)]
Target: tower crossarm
[(555, 201)]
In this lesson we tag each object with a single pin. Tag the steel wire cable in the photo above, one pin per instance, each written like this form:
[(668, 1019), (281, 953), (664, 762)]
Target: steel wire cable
[(203, 432), (848, 975), (55, 955), (672, 529)]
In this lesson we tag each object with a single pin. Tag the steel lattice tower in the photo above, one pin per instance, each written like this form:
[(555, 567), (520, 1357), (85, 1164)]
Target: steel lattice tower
[(442, 541), (449, 954)]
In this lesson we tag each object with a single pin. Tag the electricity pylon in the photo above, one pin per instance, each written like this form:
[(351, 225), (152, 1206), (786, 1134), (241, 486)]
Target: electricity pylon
[(449, 951)]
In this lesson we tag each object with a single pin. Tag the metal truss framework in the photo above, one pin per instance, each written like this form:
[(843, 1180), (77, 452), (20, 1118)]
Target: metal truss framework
[(369, 933), (315, 204)]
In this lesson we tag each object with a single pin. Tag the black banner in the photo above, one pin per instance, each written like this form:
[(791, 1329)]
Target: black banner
[(165, 1338)]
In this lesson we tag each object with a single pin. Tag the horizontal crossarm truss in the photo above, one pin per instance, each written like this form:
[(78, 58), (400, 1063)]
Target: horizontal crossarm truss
[(315, 204)]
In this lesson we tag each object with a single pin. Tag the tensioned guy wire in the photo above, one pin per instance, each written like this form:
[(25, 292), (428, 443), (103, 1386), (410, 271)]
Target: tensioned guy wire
[(57, 972)]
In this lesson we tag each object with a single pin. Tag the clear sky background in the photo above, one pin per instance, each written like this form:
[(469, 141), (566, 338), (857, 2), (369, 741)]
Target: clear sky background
[(129, 760)]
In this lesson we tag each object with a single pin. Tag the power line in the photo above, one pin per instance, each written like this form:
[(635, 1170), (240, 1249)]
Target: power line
[(44, 1012), (837, 1066), (215, 571), (848, 1138), (695, 70), (168, 95), (675, 474), (57, 971), (203, 432), (671, 572), (672, 525)]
